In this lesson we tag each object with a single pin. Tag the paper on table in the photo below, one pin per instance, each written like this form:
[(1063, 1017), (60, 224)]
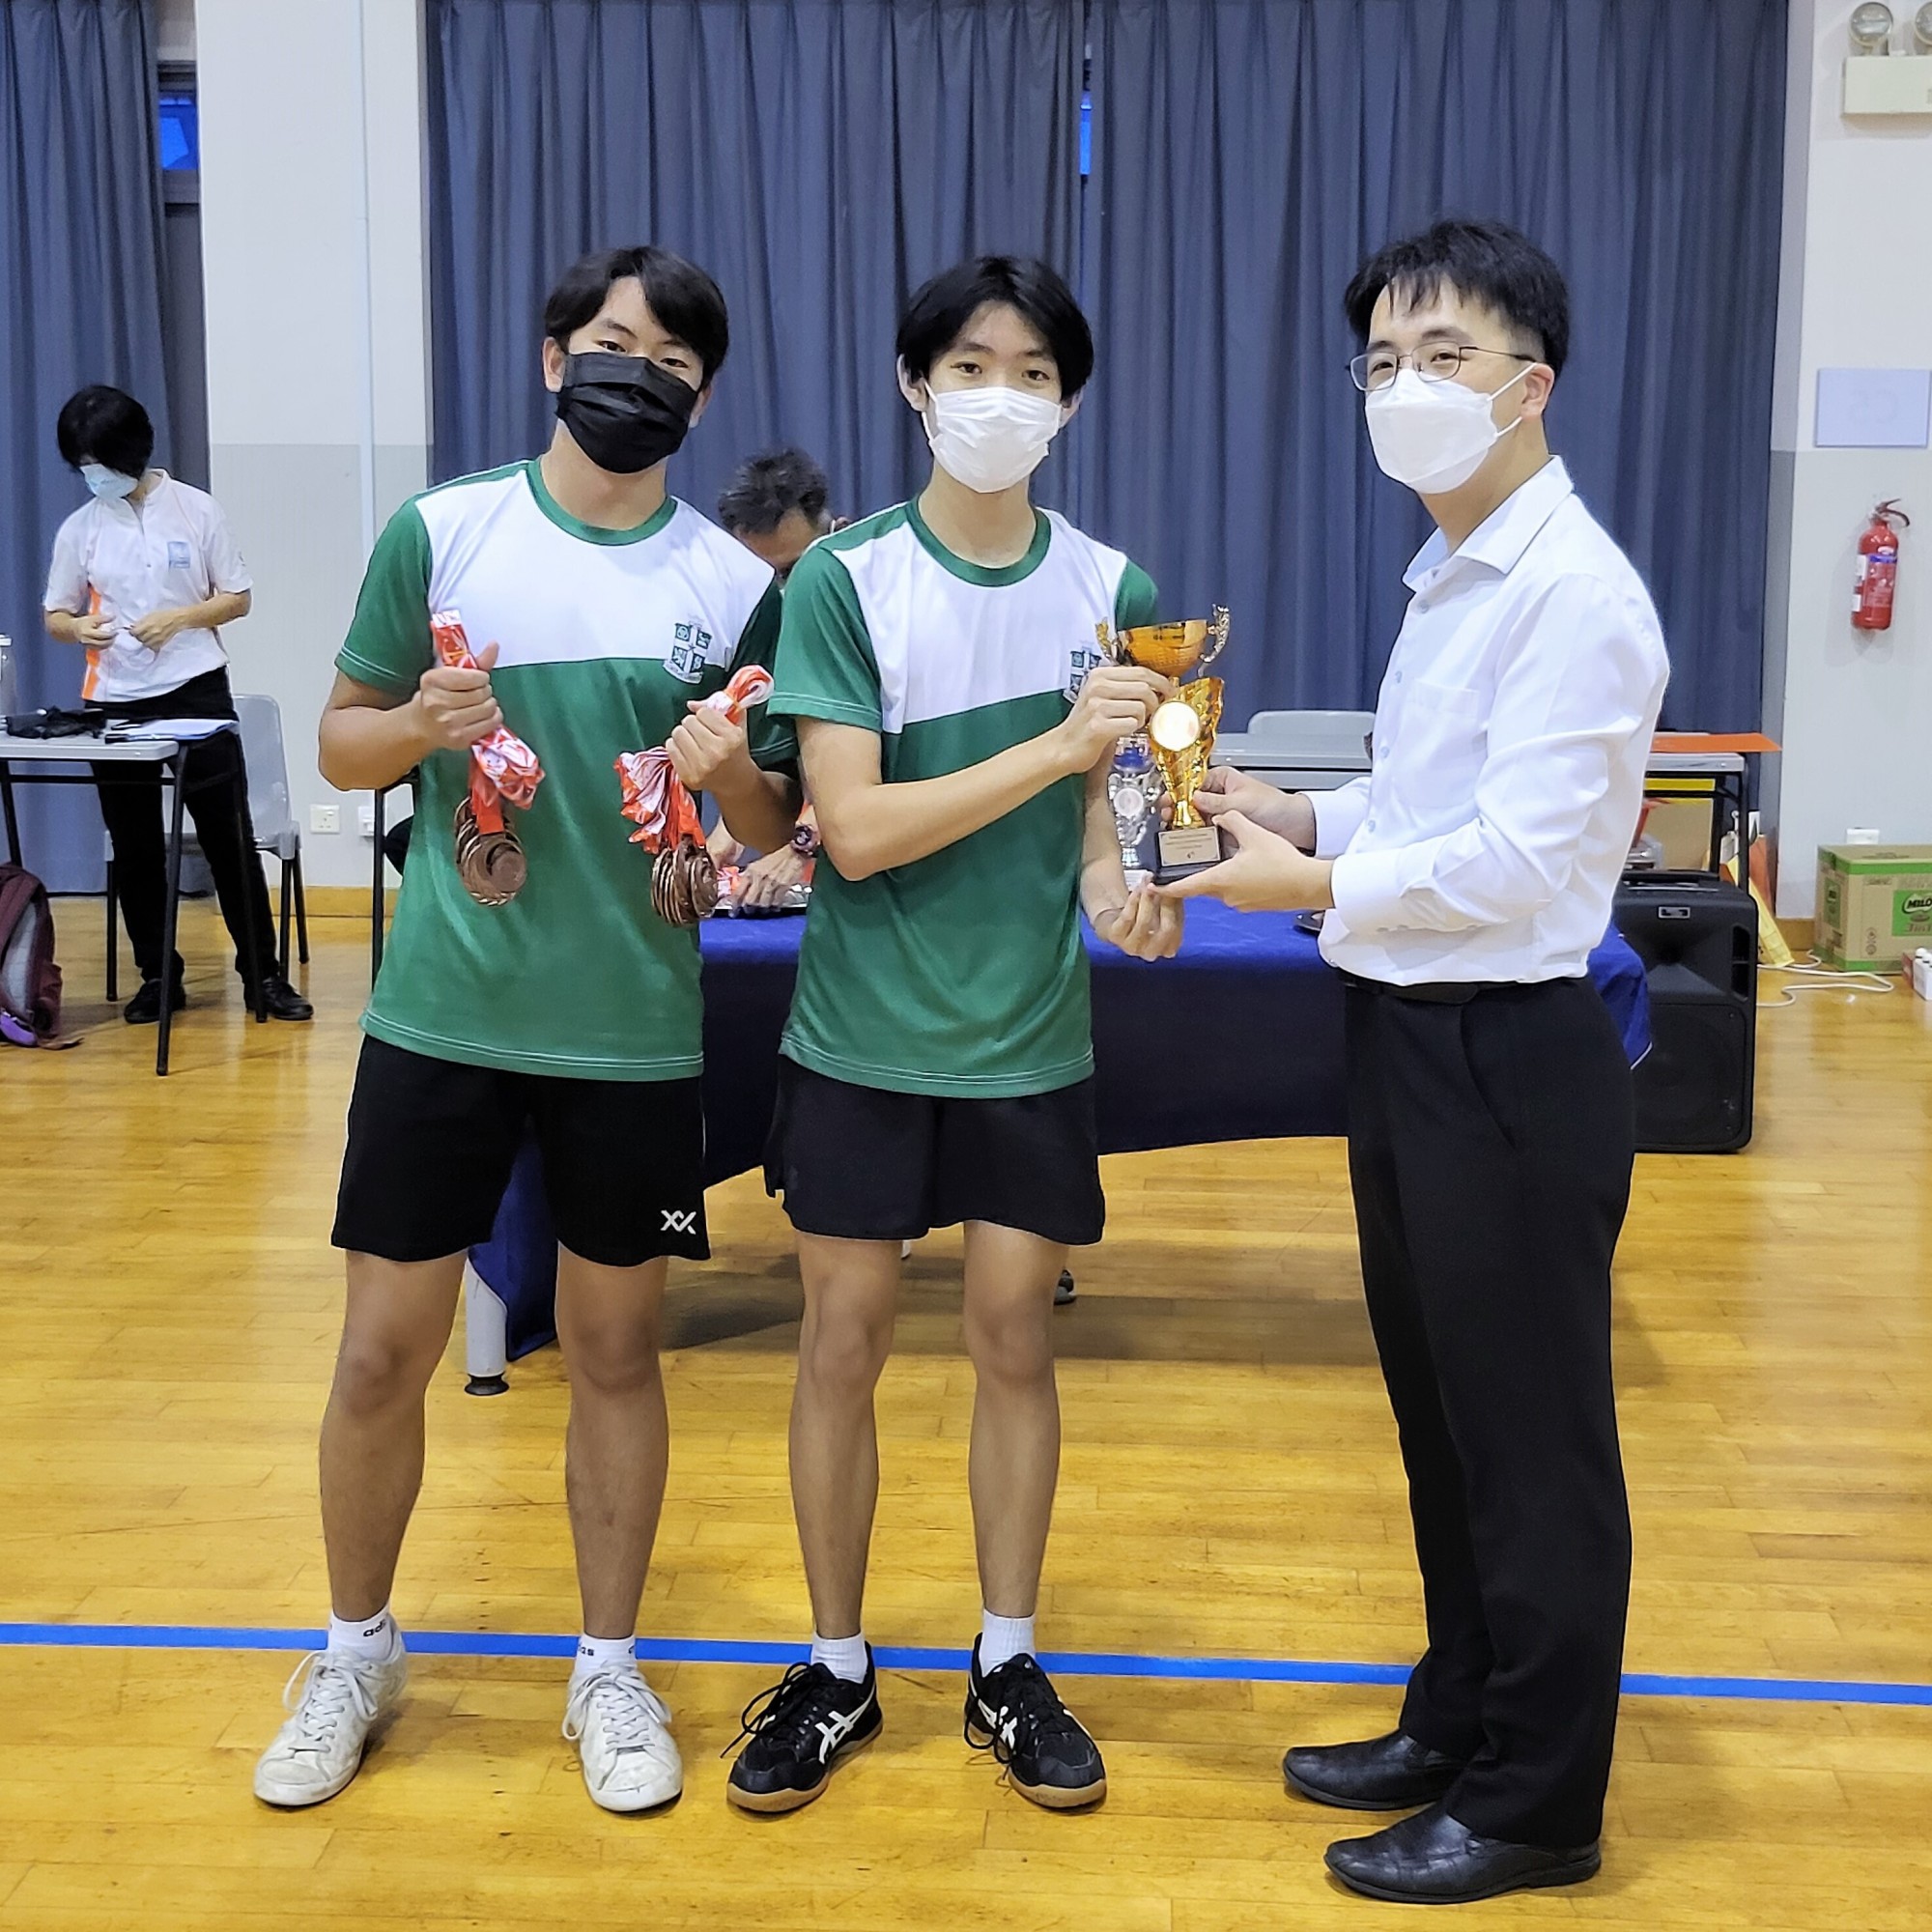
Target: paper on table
[(182, 731)]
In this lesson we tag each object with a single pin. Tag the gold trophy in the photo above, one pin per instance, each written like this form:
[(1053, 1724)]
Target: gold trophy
[(1182, 731)]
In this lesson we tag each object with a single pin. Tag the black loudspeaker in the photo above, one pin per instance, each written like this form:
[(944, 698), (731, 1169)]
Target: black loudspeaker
[(1696, 934)]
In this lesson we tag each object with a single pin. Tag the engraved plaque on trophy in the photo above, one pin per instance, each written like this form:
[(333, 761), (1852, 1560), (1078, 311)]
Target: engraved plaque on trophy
[(1182, 731)]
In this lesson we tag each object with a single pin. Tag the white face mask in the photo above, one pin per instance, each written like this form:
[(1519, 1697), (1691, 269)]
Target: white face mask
[(1433, 436), (990, 438), (108, 483)]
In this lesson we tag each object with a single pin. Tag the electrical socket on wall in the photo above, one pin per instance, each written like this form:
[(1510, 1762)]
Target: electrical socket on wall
[(325, 818), (365, 820)]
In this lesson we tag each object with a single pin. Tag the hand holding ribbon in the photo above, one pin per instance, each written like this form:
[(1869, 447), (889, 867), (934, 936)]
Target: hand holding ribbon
[(505, 766), (489, 855), (655, 798), (684, 881)]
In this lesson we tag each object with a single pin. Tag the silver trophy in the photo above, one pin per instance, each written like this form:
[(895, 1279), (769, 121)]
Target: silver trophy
[(1133, 786)]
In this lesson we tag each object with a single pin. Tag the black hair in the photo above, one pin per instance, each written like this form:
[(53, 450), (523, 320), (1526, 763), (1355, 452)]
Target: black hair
[(103, 425), (1488, 262), (682, 297), (763, 492), (938, 314)]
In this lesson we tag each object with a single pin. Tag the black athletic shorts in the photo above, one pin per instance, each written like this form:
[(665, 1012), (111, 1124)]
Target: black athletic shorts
[(862, 1164), (432, 1142)]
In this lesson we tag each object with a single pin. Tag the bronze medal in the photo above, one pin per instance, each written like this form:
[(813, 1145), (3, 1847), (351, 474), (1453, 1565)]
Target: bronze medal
[(492, 864), (684, 883)]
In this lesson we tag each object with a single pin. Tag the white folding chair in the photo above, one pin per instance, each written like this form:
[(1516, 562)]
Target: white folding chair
[(275, 827)]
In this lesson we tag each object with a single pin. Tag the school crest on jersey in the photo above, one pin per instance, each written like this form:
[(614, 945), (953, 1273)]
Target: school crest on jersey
[(690, 651), (1081, 660)]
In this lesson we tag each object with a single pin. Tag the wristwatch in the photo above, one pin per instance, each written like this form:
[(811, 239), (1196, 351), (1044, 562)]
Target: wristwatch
[(804, 842)]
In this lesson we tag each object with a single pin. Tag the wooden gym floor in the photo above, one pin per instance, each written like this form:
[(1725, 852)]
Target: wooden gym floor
[(1231, 1490)]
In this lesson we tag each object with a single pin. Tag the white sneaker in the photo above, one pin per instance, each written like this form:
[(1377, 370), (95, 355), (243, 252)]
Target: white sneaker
[(621, 1728), (320, 1748)]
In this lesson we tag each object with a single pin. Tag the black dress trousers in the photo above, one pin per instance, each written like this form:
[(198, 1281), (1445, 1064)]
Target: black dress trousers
[(1489, 1149), (215, 786)]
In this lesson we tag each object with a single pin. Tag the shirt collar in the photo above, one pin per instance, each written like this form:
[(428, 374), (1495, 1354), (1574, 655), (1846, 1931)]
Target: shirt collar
[(1500, 540), (125, 506)]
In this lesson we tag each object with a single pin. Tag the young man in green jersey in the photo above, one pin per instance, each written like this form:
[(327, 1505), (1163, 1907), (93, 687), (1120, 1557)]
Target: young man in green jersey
[(599, 610), (957, 725)]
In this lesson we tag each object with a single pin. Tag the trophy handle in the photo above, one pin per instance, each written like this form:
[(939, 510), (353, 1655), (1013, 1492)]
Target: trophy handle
[(1111, 647), (1217, 632)]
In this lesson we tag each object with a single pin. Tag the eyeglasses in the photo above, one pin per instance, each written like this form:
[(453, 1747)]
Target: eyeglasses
[(1377, 370)]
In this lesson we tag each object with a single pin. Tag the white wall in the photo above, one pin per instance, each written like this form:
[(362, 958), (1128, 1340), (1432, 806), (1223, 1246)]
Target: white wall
[(318, 395), (1853, 709)]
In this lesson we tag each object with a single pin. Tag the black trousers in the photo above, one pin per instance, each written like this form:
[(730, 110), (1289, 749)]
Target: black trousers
[(1489, 1148), (216, 785)]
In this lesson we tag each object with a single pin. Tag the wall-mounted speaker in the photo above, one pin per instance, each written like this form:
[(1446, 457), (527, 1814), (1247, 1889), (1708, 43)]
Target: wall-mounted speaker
[(1696, 934)]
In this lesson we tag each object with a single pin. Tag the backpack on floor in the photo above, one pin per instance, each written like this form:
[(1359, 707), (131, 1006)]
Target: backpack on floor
[(30, 983)]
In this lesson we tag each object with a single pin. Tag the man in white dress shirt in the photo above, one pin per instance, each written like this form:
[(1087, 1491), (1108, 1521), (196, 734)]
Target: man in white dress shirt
[(1466, 880)]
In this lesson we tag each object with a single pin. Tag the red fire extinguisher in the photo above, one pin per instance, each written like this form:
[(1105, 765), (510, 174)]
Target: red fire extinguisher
[(1878, 568)]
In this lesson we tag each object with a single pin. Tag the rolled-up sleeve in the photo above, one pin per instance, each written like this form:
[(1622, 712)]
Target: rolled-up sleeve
[(1579, 680)]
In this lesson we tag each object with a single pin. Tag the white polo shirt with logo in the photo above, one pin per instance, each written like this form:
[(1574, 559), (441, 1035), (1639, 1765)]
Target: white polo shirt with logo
[(125, 562)]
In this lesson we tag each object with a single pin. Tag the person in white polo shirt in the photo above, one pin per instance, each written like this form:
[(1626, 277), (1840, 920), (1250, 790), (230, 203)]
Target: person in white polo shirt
[(144, 575), (1491, 1112)]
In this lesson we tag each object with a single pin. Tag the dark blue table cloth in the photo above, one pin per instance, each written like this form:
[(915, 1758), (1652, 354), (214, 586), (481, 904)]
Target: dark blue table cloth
[(1254, 1009)]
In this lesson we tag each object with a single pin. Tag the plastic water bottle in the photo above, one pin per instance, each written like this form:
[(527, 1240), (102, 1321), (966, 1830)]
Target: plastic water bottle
[(6, 681)]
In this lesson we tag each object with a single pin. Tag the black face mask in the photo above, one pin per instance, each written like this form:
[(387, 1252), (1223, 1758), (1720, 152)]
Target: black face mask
[(623, 412)]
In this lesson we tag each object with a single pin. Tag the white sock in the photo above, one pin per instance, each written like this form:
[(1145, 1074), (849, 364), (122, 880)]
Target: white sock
[(373, 1638), (603, 1653), (843, 1656), (1002, 1639)]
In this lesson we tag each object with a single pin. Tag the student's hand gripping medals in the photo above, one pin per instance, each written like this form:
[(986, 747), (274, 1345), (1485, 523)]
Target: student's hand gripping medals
[(504, 770), (684, 879)]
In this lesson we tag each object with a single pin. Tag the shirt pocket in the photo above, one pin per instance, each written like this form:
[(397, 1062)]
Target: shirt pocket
[(1439, 744)]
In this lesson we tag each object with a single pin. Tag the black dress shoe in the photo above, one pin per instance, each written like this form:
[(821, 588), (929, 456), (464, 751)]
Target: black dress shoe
[(145, 1008), (1390, 1773), (282, 999), (1432, 1859)]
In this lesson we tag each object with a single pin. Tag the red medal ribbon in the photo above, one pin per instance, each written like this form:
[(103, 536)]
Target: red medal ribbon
[(502, 767), (655, 798)]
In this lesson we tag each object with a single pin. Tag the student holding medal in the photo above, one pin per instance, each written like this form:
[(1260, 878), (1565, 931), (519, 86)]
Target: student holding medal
[(518, 633)]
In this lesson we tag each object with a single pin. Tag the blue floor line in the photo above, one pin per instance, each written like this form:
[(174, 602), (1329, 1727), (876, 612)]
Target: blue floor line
[(904, 1657)]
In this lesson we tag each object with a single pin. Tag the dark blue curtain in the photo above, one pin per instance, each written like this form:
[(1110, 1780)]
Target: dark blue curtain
[(820, 158), (80, 288), (1247, 154)]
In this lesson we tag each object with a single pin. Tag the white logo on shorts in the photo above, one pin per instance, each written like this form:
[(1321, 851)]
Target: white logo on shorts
[(680, 1220)]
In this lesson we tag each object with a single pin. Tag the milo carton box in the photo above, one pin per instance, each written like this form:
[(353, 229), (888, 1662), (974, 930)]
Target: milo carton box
[(1874, 905)]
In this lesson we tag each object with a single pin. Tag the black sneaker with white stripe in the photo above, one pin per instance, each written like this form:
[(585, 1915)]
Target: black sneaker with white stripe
[(1015, 1713), (799, 1729)]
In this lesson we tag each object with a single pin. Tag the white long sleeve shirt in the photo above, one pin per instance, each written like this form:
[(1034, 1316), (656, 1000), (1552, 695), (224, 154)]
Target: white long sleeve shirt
[(1507, 768)]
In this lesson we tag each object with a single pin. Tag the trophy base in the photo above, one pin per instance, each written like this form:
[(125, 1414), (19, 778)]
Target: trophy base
[(1183, 850)]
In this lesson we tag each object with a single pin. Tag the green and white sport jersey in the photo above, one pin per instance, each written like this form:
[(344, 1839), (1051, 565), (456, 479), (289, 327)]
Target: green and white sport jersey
[(962, 974), (603, 637)]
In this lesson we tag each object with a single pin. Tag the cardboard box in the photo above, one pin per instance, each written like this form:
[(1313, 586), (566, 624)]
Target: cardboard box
[(1874, 905), (1680, 821)]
